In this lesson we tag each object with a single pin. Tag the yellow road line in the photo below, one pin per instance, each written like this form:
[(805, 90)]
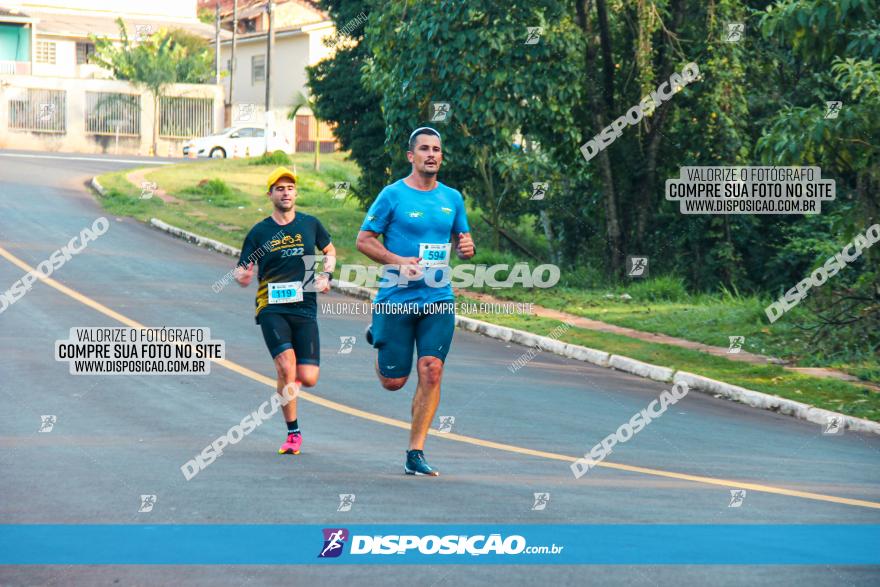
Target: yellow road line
[(342, 408)]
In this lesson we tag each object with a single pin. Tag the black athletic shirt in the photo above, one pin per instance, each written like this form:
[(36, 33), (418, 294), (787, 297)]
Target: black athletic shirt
[(278, 251)]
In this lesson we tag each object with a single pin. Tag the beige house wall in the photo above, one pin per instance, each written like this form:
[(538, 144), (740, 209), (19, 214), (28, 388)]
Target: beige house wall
[(164, 8), (75, 139), (293, 52), (65, 58)]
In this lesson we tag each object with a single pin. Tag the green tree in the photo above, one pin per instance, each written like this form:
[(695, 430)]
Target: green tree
[(163, 58), (759, 100), (827, 51), (501, 91), (342, 97)]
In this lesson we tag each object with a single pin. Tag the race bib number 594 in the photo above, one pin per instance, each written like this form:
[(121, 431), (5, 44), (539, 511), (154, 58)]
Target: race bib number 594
[(434, 254)]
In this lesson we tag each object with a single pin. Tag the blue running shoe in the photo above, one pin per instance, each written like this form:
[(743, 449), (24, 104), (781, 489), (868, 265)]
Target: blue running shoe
[(416, 465)]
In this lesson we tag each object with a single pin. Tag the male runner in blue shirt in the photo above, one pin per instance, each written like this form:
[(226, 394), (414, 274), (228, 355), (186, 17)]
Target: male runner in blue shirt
[(420, 220)]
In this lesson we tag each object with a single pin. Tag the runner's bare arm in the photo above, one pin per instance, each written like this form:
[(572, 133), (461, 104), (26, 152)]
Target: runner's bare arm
[(329, 258), (322, 280), (368, 243)]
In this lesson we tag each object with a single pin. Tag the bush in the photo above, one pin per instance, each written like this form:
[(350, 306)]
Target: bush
[(666, 288), (584, 277), (274, 158), (217, 193)]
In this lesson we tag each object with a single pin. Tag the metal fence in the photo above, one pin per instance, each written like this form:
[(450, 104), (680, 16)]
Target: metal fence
[(306, 132), (86, 114), (183, 118), (38, 110), (111, 113)]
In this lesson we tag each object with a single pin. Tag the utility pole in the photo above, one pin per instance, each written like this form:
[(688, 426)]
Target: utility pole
[(217, 42), (232, 62), (270, 45)]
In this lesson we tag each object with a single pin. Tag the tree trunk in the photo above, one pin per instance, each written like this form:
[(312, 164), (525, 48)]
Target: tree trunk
[(646, 197), (482, 157), (155, 147), (612, 218), (551, 238), (607, 58), (317, 144)]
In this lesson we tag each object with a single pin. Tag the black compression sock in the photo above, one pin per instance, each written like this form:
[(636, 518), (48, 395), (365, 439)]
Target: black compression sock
[(292, 427)]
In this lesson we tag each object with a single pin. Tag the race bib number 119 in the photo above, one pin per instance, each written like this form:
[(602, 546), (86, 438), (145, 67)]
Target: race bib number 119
[(285, 293)]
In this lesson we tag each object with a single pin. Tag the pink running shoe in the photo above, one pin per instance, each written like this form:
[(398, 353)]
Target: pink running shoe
[(291, 447)]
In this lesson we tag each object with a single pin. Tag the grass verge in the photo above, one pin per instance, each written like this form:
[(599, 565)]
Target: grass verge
[(829, 394)]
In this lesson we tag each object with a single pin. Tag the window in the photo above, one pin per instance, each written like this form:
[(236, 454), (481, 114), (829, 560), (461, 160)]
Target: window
[(249, 25), (83, 51), (258, 68), (45, 51), (259, 133)]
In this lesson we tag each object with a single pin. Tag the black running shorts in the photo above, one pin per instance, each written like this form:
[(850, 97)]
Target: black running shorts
[(287, 331)]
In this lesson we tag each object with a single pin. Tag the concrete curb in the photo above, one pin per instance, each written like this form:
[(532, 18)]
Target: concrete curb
[(97, 186), (752, 398), (641, 369), (774, 403), (194, 238)]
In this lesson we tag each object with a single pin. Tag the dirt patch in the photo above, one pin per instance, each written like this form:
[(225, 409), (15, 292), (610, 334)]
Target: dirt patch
[(138, 178)]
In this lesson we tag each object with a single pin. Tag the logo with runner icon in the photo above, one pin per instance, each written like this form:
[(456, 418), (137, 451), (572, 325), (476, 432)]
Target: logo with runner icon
[(834, 424), (334, 540), (541, 501), (736, 344), (539, 190), (346, 344), (147, 503), (47, 423), (446, 424), (440, 111), (636, 266), (340, 189), (346, 500), (737, 497)]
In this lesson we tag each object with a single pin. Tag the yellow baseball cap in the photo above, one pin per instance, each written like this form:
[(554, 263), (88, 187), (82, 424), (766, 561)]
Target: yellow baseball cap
[(278, 174)]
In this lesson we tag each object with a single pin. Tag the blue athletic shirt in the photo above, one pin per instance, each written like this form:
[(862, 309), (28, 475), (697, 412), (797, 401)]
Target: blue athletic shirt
[(406, 217)]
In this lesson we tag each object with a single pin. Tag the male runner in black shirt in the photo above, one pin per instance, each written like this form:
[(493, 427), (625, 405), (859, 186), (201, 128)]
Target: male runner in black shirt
[(284, 245)]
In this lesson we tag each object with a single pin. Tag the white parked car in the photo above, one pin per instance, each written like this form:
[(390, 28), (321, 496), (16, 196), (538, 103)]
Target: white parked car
[(237, 141)]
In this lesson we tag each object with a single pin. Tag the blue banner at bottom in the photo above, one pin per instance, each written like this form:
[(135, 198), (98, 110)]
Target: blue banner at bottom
[(729, 544)]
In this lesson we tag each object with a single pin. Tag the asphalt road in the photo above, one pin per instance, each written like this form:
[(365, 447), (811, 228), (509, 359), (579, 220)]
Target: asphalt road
[(118, 437)]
